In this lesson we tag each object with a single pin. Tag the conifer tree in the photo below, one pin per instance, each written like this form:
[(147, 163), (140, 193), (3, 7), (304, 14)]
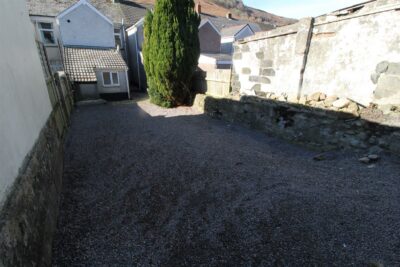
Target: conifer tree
[(171, 50)]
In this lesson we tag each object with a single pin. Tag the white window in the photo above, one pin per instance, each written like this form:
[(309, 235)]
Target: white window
[(110, 79), (117, 36), (46, 32)]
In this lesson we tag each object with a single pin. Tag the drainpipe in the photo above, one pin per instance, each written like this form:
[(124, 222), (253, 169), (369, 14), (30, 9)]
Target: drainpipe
[(127, 83), (137, 59)]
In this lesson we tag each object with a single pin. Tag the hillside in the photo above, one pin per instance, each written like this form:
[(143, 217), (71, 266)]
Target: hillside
[(238, 10)]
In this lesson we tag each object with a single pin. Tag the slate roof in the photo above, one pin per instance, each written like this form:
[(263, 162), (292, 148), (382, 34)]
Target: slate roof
[(133, 12), (80, 62), (126, 10), (222, 23), (232, 31)]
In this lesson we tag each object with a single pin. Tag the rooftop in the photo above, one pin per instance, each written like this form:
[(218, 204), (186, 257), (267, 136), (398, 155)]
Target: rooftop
[(81, 62), (123, 10)]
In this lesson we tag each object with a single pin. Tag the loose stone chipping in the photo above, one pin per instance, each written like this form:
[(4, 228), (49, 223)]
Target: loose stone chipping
[(176, 188)]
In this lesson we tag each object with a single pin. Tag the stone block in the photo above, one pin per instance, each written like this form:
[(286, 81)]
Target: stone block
[(375, 78), (256, 87), (330, 100), (382, 67), (258, 79), (260, 55), (267, 72), (245, 48), (317, 96), (266, 63), (341, 103), (246, 71), (393, 69), (388, 85), (237, 56)]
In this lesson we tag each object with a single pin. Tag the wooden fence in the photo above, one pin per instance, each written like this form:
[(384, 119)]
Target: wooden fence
[(60, 92), (215, 83)]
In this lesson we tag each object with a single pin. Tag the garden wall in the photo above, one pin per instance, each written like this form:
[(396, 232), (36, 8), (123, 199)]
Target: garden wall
[(35, 109), (314, 127), (351, 54)]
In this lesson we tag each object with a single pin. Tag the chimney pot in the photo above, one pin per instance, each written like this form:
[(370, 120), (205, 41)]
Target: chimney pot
[(198, 8)]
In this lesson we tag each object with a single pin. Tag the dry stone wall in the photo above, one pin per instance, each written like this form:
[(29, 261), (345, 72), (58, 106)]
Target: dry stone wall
[(316, 127), (351, 56)]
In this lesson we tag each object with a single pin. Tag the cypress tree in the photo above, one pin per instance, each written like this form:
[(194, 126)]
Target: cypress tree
[(171, 51)]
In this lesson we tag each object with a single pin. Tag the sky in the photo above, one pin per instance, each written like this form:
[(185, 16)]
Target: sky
[(300, 8)]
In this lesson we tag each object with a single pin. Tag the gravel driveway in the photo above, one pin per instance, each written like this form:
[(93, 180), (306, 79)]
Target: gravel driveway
[(144, 186)]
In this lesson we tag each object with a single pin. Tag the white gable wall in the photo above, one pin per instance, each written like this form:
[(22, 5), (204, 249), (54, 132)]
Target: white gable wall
[(84, 26)]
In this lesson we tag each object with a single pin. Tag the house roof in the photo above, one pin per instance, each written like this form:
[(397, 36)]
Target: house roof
[(126, 10), (133, 12), (81, 62), (223, 23), (232, 31)]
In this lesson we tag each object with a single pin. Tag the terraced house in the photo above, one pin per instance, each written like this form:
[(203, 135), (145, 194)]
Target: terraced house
[(99, 42), (88, 40)]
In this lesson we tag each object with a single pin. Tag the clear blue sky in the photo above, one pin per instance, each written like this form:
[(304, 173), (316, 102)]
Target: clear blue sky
[(300, 8)]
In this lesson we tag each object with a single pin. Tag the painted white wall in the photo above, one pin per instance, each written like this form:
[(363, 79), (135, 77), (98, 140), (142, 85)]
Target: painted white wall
[(123, 83), (84, 26), (24, 102)]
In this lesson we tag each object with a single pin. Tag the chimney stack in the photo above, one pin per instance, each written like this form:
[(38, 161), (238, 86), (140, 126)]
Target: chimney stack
[(198, 8), (229, 15)]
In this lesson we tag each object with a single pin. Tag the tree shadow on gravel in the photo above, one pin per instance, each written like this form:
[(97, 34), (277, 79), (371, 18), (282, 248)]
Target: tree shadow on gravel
[(171, 190)]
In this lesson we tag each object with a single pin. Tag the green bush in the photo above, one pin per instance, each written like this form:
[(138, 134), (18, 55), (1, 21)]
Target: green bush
[(171, 51)]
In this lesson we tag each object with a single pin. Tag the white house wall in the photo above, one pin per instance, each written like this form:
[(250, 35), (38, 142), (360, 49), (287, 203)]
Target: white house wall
[(53, 52), (83, 26), (24, 102), (122, 88)]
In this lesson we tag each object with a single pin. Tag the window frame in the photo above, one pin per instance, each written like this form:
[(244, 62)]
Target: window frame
[(43, 30), (119, 34), (112, 84)]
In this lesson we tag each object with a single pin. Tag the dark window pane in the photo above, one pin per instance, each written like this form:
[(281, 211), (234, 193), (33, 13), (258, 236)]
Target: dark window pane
[(48, 37), (46, 26), (106, 78), (118, 41), (115, 78)]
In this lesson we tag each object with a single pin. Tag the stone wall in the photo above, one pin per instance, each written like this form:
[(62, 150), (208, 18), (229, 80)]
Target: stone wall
[(312, 126), (35, 111), (28, 217), (352, 54)]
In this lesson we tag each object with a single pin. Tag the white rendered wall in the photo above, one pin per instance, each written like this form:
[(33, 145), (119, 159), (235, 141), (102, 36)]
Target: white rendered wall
[(85, 27), (24, 101)]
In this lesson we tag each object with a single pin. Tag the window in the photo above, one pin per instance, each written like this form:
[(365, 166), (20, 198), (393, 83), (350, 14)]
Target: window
[(117, 36), (47, 33), (110, 79)]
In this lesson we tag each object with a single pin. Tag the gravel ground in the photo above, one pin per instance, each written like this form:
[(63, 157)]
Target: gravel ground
[(144, 186)]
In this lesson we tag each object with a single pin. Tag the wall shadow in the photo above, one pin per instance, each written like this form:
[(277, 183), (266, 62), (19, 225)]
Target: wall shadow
[(316, 127)]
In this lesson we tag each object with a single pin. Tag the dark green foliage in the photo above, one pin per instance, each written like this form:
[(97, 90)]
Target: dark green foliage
[(171, 51)]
